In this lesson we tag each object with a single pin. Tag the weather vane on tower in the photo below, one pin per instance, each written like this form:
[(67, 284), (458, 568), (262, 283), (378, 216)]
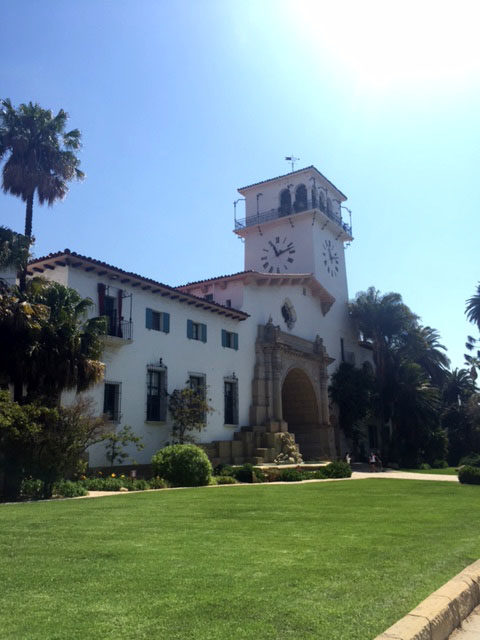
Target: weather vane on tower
[(292, 159)]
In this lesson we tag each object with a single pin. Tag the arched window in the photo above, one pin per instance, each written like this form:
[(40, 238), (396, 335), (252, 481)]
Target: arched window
[(285, 203), (300, 198), (314, 198)]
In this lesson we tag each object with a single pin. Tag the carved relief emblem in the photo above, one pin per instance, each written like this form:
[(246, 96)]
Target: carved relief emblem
[(288, 313)]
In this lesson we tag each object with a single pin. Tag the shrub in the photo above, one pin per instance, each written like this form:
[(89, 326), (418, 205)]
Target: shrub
[(69, 489), (157, 483), (469, 475), (136, 484), (316, 475), (184, 465), (31, 488), (439, 464), (103, 484), (424, 466), (224, 470), (224, 480), (291, 475), (471, 460), (337, 469), (248, 473)]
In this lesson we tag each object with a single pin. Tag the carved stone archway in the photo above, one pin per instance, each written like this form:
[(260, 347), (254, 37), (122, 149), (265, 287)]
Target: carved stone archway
[(278, 354)]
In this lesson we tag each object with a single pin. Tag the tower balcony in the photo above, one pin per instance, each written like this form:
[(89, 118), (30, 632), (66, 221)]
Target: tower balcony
[(324, 214)]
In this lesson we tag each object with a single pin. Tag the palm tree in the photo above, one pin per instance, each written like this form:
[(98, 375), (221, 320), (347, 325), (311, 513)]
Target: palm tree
[(46, 342), (383, 321), (40, 158), (67, 355), (473, 308), (458, 386), (422, 345)]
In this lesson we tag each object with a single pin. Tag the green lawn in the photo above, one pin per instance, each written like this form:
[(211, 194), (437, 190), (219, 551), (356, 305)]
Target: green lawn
[(449, 471), (332, 561)]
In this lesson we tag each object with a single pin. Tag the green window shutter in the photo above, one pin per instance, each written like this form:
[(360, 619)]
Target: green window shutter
[(149, 318), (235, 341), (204, 332), (189, 329), (166, 322), (224, 338)]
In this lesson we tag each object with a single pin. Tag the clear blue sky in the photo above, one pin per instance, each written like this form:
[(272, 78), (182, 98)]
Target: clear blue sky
[(180, 103)]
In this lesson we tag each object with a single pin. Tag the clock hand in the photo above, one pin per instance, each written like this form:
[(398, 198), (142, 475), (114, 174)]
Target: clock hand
[(284, 251), (274, 248)]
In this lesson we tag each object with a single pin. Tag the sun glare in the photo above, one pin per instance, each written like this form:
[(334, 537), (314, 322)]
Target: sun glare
[(385, 43)]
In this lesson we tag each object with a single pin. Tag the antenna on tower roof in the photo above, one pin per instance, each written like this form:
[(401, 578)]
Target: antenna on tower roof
[(292, 159)]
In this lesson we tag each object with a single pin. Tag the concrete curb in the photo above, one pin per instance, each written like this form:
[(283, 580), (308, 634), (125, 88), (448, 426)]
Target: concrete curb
[(442, 612)]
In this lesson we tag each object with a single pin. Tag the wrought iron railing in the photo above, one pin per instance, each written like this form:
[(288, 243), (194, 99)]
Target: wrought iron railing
[(283, 212), (123, 329)]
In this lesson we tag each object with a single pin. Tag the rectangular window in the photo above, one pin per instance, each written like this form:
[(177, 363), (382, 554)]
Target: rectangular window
[(231, 401), (197, 383), (228, 303), (209, 297), (111, 401), (157, 321), (196, 331), (156, 395), (229, 339)]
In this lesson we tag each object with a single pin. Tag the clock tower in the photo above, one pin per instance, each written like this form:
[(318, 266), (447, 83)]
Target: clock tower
[(293, 224)]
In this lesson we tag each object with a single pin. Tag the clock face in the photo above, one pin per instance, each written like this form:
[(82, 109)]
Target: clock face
[(277, 255), (330, 258)]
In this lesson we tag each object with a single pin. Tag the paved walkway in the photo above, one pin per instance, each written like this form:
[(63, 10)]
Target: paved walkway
[(470, 629), (404, 475)]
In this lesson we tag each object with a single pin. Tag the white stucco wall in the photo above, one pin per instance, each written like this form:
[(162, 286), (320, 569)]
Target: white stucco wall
[(127, 363)]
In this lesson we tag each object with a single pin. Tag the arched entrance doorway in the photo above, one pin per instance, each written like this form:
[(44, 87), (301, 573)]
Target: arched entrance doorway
[(300, 410)]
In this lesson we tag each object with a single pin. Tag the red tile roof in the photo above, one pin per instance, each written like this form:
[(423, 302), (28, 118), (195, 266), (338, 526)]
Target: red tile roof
[(76, 260)]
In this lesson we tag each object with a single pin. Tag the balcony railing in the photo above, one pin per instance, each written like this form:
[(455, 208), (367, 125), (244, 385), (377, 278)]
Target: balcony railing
[(123, 329), (285, 212)]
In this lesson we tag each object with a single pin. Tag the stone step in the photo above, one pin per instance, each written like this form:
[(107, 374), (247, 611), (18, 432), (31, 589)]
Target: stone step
[(258, 460), (261, 452)]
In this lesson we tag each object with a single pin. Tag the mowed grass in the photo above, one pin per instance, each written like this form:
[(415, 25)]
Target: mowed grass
[(334, 560)]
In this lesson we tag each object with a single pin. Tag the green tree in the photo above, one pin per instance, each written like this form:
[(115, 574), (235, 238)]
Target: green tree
[(13, 249), (422, 345), (352, 389), (70, 344), (47, 343), (473, 307), (383, 321), (47, 443), (410, 367), (116, 441), (39, 156), (189, 409)]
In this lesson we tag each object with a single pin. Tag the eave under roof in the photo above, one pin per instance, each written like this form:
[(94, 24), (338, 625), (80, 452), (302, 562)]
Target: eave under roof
[(292, 173), (90, 265), (271, 279)]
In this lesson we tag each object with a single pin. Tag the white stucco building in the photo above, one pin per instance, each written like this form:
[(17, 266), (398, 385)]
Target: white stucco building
[(263, 341)]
